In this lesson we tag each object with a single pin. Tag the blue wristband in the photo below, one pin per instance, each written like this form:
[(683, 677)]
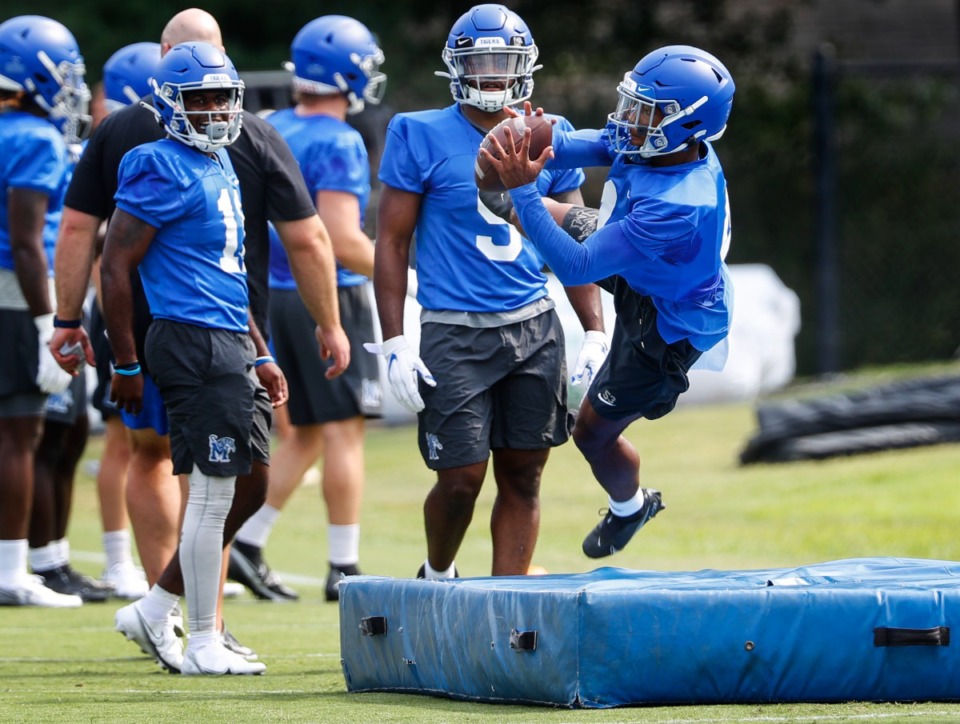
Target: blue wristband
[(127, 370), (263, 360)]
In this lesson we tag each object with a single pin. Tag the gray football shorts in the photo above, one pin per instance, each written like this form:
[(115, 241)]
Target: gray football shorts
[(314, 399), (643, 376), (219, 413), (497, 388)]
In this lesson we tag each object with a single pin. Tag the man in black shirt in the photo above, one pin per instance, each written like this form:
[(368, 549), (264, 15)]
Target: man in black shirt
[(271, 188)]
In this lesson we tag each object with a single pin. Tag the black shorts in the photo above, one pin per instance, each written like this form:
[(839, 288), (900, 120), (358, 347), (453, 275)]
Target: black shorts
[(497, 387), (219, 413), (104, 359), (314, 399), (20, 358), (643, 375)]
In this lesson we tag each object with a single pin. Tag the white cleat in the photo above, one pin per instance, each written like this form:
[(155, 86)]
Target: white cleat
[(128, 581), (232, 589), (214, 659), (30, 591), (159, 641)]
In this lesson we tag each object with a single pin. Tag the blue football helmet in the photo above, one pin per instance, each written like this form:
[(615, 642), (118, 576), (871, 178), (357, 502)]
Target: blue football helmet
[(491, 58), (190, 67), (337, 54), (127, 74), (40, 56), (693, 92)]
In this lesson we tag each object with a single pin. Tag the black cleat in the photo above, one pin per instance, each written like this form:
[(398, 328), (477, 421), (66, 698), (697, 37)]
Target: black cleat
[(63, 579), (248, 567), (332, 589), (613, 532)]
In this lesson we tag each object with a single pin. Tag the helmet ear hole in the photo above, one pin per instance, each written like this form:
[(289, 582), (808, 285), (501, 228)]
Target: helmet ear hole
[(336, 54)]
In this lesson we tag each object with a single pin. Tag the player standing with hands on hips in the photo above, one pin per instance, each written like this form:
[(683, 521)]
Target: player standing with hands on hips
[(660, 240), (493, 365), (179, 219)]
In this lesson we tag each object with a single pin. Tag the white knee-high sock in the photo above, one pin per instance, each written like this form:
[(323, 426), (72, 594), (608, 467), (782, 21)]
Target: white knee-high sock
[(201, 547), (258, 526)]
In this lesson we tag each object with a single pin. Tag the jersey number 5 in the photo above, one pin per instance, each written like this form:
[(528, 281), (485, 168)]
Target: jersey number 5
[(485, 244)]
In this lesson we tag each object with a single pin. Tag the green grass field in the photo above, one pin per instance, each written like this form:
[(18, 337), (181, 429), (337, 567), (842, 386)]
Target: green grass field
[(68, 666)]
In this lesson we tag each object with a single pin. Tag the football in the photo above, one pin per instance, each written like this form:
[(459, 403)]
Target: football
[(541, 129)]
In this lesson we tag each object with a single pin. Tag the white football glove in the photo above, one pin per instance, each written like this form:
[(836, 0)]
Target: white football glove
[(403, 366), (592, 354), (51, 378)]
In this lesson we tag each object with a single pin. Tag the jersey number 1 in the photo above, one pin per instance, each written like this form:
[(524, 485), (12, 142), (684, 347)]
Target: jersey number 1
[(231, 260)]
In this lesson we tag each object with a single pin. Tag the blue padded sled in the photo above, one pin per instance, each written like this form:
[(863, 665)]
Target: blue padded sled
[(871, 629)]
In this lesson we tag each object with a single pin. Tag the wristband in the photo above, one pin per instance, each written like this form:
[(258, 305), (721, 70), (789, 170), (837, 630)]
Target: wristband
[(130, 370), (266, 359), (66, 323)]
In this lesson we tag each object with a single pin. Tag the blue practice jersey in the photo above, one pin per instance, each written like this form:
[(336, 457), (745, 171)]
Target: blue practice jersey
[(665, 230), (193, 271), (332, 157), (33, 156), (468, 260)]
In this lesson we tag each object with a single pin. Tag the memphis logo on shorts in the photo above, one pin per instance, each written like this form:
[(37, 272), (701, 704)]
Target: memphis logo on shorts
[(220, 449), (434, 446)]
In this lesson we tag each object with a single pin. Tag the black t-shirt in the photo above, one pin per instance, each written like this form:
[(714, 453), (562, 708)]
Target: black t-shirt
[(271, 185)]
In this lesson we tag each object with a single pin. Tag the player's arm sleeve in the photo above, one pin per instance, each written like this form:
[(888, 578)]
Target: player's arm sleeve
[(398, 167), (148, 188), (579, 149), (37, 166), (601, 255)]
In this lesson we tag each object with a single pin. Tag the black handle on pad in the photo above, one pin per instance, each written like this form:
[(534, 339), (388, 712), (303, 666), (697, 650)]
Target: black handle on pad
[(936, 636)]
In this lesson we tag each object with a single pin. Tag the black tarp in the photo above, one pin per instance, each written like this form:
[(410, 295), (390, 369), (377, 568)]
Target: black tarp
[(898, 415)]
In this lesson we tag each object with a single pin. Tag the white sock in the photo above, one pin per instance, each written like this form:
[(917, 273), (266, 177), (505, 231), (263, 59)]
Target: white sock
[(432, 575), (627, 507), (43, 558), (62, 549), (207, 638), (201, 546), (116, 546), (13, 562), (343, 544), (257, 529), (158, 604)]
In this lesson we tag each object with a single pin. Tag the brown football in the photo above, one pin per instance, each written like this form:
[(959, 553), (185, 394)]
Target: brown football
[(541, 128)]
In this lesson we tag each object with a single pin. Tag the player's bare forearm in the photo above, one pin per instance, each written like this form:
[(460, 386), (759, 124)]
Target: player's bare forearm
[(128, 239), (396, 221), (73, 261), (314, 268), (340, 213), (585, 300), (25, 212), (259, 343)]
